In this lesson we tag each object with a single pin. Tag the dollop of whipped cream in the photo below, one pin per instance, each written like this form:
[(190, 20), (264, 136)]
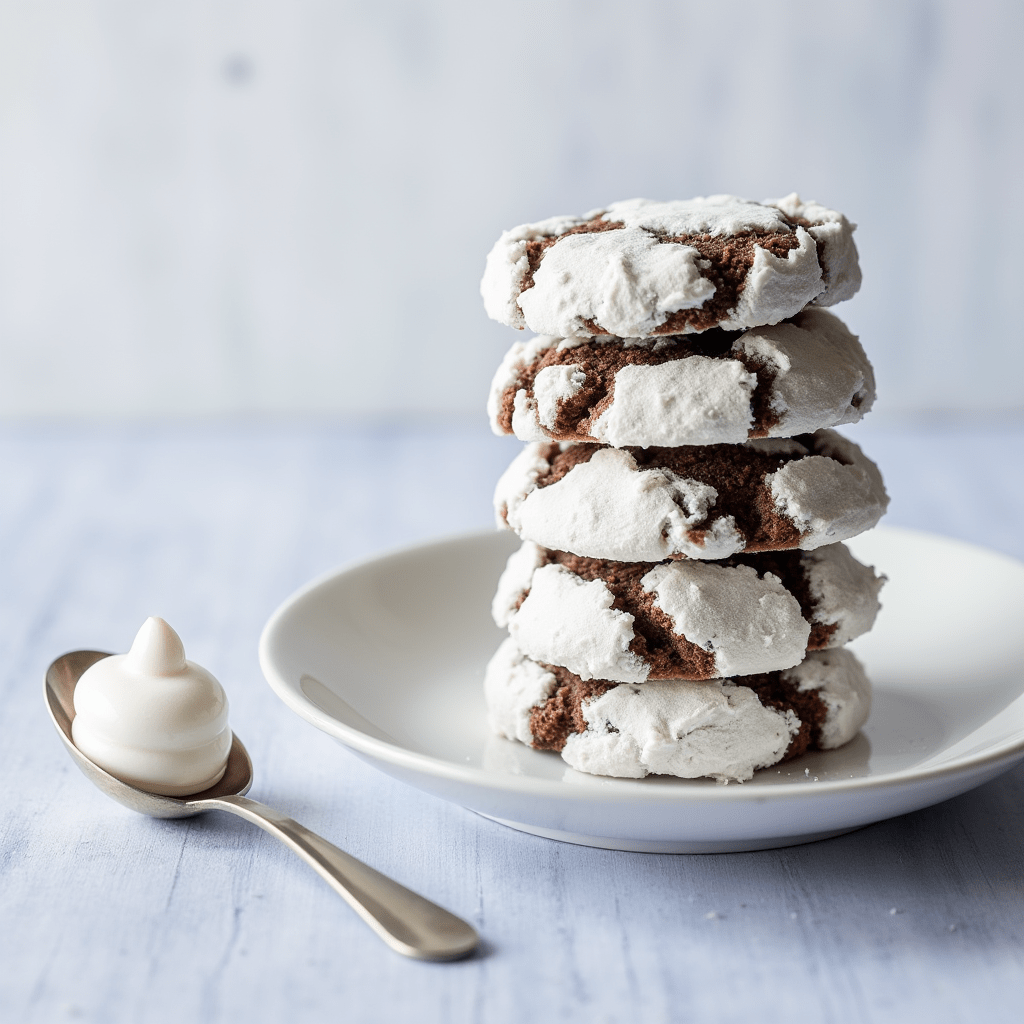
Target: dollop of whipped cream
[(153, 719)]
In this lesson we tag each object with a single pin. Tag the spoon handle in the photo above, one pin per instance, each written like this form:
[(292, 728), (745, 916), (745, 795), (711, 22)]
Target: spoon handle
[(407, 922)]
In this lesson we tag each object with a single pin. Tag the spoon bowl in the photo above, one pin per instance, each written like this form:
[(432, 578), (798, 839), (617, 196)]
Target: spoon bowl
[(61, 678), (406, 921)]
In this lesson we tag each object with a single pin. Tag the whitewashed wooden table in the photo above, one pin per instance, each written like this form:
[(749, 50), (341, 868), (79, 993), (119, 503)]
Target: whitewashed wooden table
[(107, 916)]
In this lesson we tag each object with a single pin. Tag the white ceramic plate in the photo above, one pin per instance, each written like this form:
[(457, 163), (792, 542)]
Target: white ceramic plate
[(388, 657)]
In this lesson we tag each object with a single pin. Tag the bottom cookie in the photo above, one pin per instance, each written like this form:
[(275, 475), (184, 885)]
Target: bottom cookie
[(722, 728)]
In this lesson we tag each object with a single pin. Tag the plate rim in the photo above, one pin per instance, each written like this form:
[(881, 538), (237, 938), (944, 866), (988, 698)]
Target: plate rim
[(1005, 752)]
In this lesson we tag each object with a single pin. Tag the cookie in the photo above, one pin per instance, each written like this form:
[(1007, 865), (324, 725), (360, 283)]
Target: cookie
[(641, 268), (715, 388), (633, 621), (723, 728), (709, 502)]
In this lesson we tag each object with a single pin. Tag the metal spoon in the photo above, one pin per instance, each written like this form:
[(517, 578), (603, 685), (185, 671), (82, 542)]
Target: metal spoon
[(408, 923)]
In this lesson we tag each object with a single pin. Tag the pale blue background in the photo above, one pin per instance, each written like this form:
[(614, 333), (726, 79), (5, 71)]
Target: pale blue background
[(215, 206)]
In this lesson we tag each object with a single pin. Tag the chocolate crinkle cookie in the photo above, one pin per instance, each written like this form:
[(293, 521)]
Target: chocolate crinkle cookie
[(634, 621), (716, 388), (639, 268), (723, 728), (706, 502)]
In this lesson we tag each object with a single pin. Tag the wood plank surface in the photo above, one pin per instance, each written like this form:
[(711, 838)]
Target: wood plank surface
[(107, 916)]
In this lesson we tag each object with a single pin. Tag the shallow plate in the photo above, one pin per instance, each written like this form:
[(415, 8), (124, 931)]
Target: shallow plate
[(388, 657)]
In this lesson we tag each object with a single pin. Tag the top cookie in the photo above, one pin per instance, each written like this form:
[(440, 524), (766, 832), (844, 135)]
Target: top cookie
[(640, 268)]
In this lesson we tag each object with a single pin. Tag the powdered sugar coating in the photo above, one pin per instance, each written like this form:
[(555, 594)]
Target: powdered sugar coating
[(611, 507), (777, 287), (822, 376), (826, 499), (686, 729), (553, 385), (717, 728), (747, 623), (515, 582), (815, 372), (751, 624), (629, 280), (839, 680), (706, 400), (566, 620), (513, 686), (845, 592), (837, 251)]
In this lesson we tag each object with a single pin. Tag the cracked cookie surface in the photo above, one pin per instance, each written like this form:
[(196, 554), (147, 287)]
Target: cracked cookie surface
[(639, 268), (714, 388), (723, 728), (704, 502), (634, 621)]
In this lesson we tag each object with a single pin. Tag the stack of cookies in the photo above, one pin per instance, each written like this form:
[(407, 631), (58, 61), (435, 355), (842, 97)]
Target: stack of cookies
[(681, 599)]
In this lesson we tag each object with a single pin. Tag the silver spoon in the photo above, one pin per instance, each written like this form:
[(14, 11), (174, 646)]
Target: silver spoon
[(408, 923)]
